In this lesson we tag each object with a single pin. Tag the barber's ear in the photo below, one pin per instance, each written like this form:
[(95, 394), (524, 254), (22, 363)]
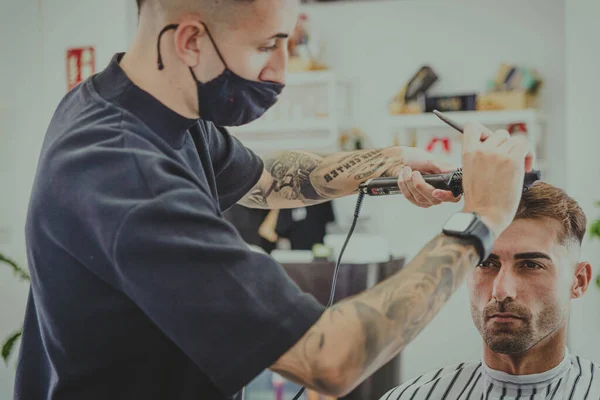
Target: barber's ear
[(581, 279), (188, 39)]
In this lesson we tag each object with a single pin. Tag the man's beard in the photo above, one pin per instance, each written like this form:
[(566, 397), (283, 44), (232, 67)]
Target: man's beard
[(520, 335)]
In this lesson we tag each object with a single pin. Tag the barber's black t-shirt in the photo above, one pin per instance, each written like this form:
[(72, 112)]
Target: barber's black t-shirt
[(140, 289)]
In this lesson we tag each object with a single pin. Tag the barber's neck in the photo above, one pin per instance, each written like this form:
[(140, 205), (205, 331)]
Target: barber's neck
[(542, 357), (171, 86)]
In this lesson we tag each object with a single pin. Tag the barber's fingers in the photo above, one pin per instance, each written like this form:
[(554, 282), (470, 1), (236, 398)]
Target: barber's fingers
[(522, 150), (528, 148), (519, 149), (495, 140), (408, 189), (403, 182), (473, 134), (529, 161), (424, 189), (446, 196)]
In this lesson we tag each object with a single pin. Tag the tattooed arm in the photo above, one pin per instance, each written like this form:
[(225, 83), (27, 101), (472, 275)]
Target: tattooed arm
[(297, 178), (360, 334)]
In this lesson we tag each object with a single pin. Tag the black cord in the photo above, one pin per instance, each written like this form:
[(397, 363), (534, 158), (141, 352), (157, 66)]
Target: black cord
[(336, 270)]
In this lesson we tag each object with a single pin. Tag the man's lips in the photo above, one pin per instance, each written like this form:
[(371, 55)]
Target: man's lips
[(503, 317)]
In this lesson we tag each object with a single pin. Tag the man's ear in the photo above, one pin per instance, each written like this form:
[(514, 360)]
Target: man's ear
[(581, 279), (187, 44)]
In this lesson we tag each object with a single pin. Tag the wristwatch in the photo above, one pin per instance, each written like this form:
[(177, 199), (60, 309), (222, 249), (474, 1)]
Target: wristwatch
[(470, 226)]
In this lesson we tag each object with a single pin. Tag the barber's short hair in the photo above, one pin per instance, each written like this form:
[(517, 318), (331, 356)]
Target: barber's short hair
[(543, 200)]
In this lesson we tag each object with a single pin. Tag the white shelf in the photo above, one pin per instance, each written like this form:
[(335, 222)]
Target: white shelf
[(430, 120), (304, 125)]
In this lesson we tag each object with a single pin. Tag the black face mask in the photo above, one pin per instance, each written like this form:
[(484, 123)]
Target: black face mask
[(229, 99)]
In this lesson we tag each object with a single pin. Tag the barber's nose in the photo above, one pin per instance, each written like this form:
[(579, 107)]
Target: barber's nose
[(276, 70), (505, 285)]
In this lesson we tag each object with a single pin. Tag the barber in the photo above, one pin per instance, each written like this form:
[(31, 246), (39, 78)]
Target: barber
[(141, 290)]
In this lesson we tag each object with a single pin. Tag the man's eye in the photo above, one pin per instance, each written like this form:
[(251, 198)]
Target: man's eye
[(487, 264), (267, 49), (531, 265)]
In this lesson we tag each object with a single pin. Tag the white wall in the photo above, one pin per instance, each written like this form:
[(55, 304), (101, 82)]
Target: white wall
[(73, 23), (583, 167), (20, 99), (34, 36), (380, 45)]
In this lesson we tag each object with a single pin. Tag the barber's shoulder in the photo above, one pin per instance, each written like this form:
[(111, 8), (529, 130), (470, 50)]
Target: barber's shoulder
[(218, 136), (440, 379)]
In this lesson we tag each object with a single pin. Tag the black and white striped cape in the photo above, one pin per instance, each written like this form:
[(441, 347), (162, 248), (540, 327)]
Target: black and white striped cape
[(573, 379)]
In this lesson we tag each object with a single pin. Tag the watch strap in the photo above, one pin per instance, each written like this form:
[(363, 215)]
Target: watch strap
[(478, 232), (484, 236)]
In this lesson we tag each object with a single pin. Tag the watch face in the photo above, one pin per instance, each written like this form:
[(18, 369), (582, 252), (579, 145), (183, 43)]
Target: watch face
[(459, 222)]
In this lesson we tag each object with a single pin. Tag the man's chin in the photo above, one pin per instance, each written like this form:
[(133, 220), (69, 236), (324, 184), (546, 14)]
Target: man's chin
[(507, 342)]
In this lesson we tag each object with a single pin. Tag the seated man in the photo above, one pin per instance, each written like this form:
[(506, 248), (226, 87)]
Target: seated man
[(520, 300)]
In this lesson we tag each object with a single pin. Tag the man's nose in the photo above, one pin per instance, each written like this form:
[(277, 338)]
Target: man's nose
[(505, 285), (276, 70)]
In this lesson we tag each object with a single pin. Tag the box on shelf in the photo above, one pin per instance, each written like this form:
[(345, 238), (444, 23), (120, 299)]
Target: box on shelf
[(464, 102), (411, 98), (507, 100)]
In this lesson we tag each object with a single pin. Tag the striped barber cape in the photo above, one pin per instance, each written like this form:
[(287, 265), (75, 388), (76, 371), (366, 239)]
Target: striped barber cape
[(573, 379)]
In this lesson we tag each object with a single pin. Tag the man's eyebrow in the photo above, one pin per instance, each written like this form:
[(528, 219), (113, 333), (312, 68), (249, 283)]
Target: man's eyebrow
[(280, 36), (533, 254), (493, 256)]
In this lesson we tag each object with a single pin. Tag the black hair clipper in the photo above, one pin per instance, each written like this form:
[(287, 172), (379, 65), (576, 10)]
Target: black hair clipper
[(451, 181)]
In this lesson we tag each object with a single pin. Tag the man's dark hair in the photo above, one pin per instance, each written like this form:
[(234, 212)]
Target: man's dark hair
[(214, 10), (546, 201)]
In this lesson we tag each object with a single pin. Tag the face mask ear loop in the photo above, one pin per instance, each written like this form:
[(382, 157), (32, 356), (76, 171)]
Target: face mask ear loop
[(165, 29), (194, 75), (215, 45)]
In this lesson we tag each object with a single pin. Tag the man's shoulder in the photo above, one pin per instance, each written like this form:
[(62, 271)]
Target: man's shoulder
[(85, 113), (86, 128), (440, 380), (585, 368), (93, 149)]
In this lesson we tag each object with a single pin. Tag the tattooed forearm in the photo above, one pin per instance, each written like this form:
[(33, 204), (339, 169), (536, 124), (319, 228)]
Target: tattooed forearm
[(291, 172), (286, 182), (257, 197), (371, 169), (364, 332), (299, 178)]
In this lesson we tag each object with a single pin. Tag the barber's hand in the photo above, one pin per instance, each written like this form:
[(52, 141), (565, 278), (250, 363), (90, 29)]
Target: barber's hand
[(410, 180), (493, 173)]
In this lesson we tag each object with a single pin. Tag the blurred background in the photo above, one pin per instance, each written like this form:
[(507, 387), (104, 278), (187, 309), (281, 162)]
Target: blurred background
[(362, 74)]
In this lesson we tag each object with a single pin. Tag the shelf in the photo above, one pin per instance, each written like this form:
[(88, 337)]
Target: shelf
[(429, 120), (305, 125)]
